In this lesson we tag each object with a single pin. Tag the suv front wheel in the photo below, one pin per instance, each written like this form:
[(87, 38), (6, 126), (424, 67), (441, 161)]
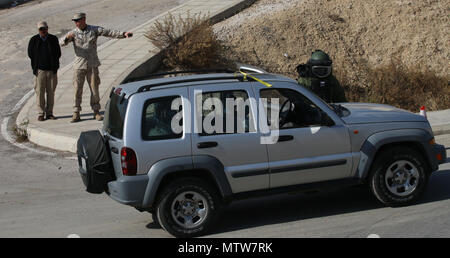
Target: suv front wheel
[(399, 176), (187, 207)]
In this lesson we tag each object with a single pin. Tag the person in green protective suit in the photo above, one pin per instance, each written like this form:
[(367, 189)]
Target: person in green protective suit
[(317, 76)]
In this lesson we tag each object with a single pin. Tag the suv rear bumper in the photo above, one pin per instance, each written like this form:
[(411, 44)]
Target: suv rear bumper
[(129, 190)]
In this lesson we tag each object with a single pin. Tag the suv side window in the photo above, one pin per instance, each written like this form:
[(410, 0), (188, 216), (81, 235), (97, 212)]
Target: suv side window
[(157, 119), (295, 110), (206, 106)]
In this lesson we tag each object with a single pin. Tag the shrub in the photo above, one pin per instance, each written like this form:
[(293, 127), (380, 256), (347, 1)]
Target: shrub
[(21, 131), (398, 85), (186, 43)]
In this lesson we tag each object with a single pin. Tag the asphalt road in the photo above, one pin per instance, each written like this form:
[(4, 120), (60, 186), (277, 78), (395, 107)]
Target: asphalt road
[(43, 196)]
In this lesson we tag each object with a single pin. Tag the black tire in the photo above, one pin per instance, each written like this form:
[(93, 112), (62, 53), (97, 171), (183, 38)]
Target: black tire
[(185, 187), (379, 183)]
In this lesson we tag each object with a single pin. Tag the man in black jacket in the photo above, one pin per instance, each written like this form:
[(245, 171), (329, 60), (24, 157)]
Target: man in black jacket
[(44, 52)]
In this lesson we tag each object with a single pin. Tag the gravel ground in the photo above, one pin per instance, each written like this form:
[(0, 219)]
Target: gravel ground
[(226, 28)]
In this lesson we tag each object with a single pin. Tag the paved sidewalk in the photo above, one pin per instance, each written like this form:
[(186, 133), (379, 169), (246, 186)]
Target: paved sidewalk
[(119, 58), (440, 121)]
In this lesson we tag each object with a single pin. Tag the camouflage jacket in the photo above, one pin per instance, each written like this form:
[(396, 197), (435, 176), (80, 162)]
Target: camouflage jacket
[(85, 44), (328, 88)]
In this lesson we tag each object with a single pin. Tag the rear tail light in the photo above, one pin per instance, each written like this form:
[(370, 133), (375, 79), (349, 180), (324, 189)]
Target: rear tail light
[(129, 161)]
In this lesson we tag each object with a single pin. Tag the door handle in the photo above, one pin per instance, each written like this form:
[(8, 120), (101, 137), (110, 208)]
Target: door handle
[(202, 145), (115, 150), (285, 138)]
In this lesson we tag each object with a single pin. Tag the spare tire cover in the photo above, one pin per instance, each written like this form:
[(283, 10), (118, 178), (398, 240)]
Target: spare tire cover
[(98, 169)]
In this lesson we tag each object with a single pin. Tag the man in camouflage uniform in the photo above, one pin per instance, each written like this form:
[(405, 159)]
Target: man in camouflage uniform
[(84, 38), (317, 76)]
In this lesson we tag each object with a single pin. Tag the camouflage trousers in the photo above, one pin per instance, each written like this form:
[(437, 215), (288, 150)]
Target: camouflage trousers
[(45, 86), (93, 79)]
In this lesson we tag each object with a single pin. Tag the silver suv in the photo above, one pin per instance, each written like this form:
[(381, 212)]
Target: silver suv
[(183, 147)]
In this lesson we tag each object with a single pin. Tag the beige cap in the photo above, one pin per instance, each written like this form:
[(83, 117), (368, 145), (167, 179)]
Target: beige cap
[(78, 16), (42, 24)]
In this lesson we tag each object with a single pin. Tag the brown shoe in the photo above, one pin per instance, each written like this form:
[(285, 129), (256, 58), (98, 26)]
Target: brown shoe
[(41, 118), (98, 117), (75, 117), (51, 117)]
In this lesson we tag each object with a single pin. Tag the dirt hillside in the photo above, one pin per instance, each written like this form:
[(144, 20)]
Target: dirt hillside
[(278, 35)]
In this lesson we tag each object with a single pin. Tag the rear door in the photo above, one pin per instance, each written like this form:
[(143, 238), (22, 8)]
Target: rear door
[(156, 127), (229, 134), (113, 127)]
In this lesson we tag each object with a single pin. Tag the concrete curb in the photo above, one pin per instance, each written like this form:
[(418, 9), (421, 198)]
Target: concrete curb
[(66, 142), (441, 129)]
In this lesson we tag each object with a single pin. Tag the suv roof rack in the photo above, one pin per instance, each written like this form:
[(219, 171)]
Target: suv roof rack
[(249, 68), (231, 74), (200, 71), (236, 76), (239, 67)]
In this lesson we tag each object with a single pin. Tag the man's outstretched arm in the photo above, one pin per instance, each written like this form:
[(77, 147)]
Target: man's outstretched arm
[(112, 33)]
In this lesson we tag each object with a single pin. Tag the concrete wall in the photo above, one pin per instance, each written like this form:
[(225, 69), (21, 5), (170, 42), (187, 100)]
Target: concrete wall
[(5, 2)]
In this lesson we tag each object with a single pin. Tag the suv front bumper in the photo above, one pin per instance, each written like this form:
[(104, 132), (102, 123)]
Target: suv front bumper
[(440, 153)]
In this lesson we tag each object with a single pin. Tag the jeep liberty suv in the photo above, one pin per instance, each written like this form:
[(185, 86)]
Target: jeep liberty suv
[(175, 148)]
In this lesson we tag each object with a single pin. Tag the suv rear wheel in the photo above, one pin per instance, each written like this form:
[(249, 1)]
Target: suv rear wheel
[(187, 207), (399, 176)]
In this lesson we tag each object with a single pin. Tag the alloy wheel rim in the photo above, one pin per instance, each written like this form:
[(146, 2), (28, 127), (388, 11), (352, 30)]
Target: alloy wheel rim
[(189, 209), (402, 178)]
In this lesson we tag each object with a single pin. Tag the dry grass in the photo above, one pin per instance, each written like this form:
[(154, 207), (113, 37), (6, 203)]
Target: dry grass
[(398, 85), (21, 132), (186, 42)]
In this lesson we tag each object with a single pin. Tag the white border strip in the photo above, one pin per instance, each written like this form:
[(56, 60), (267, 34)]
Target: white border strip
[(22, 101), (8, 137)]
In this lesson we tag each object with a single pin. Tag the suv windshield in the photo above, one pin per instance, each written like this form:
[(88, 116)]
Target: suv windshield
[(115, 116), (337, 108)]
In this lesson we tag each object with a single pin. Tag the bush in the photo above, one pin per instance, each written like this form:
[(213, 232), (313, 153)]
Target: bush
[(186, 43), (21, 131), (397, 85)]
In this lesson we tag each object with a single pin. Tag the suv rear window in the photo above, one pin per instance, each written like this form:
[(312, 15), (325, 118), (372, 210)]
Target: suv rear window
[(158, 116), (115, 116)]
